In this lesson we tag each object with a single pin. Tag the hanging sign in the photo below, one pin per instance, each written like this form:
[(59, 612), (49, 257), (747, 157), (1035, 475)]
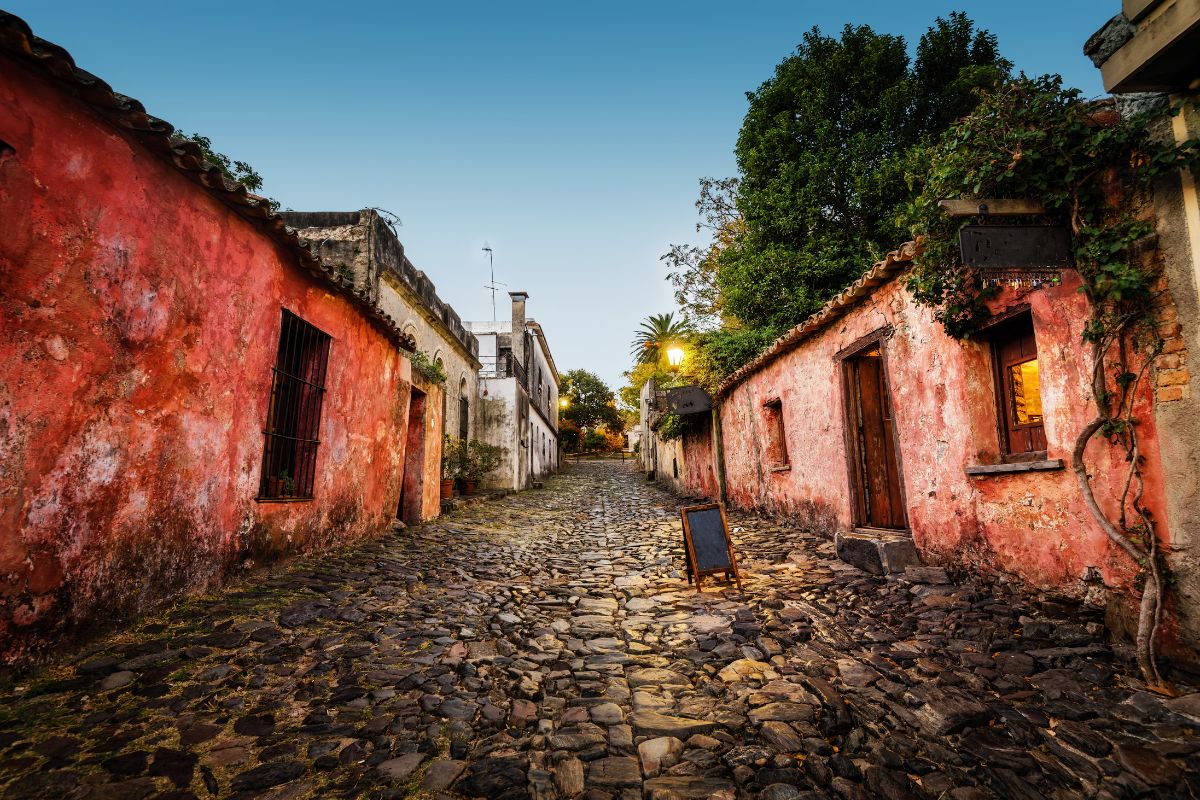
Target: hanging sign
[(1018, 256), (1016, 246), (688, 400)]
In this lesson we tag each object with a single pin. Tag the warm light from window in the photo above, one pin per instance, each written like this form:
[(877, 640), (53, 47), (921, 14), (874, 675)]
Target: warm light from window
[(675, 357), (1027, 394)]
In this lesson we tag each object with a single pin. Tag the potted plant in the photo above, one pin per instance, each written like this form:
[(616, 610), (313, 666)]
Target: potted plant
[(452, 464), (481, 458)]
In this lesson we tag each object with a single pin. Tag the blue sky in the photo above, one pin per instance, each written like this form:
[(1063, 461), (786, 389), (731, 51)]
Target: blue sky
[(568, 136)]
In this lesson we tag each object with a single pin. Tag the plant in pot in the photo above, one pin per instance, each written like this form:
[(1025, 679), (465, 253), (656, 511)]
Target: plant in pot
[(481, 459), (453, 451)]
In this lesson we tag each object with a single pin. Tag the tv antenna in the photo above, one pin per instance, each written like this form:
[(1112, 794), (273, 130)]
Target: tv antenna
[(492, 285)]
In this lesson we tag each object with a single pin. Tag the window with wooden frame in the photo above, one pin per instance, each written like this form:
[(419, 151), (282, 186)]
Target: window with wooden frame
[(293, 426), (1018, 390), (777, 454)]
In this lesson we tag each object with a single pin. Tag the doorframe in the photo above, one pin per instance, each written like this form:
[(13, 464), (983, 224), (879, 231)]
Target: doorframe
[(410, 506), (878, 338)]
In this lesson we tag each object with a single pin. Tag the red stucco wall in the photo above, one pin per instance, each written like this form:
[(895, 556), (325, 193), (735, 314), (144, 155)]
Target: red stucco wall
[(140, 320), (1031, 524)]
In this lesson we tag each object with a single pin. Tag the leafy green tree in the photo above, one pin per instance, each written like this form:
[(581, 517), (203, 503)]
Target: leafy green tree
[(822, 155), (590, 403), (692, 270), (655, 335)]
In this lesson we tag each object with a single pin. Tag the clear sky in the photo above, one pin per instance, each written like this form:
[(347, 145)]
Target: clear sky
[(569, 136)]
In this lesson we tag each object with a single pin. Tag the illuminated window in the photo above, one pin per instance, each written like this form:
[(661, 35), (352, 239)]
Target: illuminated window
[(1019, 391), (1026, 393)]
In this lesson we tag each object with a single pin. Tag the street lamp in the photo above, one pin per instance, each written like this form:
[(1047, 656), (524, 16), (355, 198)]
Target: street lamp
[(675, 357)]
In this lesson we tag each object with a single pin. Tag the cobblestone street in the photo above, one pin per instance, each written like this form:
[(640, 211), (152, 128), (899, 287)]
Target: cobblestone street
[(547, 645)]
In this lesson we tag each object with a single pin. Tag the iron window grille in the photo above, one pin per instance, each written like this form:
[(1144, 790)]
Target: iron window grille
[(293, 427)]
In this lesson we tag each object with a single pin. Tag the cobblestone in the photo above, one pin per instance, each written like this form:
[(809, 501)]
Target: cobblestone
[(547, 645)]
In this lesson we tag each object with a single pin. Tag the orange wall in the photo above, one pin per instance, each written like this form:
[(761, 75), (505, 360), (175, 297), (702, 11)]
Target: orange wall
[(139, 319), (1030, 524)]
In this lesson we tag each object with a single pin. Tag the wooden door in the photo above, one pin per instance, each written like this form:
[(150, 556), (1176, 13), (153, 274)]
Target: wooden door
[(412, 483), (875, 469)]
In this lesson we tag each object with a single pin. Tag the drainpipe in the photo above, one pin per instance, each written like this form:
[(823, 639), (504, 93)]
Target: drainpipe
[(718, 453)]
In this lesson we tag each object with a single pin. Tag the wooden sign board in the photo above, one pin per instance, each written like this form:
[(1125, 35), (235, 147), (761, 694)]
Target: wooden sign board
[(706, 542), (688, 400), (1016, 246)]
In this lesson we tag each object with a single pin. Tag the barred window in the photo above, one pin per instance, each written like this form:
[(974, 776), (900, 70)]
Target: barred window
[(294, 412)]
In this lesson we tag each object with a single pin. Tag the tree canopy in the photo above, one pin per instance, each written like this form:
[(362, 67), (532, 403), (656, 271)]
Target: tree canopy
[(590, 403), (655, 335), (823, 155)]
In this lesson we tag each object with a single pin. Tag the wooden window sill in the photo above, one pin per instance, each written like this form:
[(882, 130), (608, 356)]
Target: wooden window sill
[(781, 468), (1047, 465), (283, 499)]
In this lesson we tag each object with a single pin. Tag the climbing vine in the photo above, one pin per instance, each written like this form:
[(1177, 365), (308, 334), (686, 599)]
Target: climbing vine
[(673, 426), (1092, 170), (427, 367)]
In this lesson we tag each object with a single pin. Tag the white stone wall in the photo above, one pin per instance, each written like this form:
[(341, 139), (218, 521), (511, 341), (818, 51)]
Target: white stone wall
[(500, 424), (462, 377), (663, 459)]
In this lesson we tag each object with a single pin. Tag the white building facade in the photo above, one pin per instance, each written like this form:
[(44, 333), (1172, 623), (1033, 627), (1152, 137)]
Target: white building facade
[(518, 405)]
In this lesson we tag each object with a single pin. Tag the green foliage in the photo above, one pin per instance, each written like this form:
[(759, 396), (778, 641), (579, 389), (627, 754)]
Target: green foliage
[(822, 154), (568, 436), (692, 270), (1034, 139), (590, 402), (427, 367), (236, 171), (720, 352), (454, 457), (630, 394), (1031, 138), (481, 458), (595, 440), (673, 426), (657, 333), (287, 485)]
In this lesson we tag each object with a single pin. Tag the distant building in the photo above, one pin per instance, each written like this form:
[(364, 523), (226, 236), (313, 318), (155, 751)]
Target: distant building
[(519, 403)]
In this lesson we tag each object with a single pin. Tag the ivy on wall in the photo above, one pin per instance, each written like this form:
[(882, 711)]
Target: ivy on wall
[(1093, 170)]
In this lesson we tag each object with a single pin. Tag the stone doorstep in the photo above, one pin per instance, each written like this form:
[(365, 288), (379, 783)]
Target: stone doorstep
[(878, 552)]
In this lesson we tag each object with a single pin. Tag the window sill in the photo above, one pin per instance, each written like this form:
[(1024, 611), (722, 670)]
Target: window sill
[(283, 499), (781, 468), (1047, 465)]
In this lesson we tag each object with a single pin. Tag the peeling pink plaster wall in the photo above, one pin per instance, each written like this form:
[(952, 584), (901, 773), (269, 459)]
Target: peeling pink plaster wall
[(139, 321), (1034, 524)]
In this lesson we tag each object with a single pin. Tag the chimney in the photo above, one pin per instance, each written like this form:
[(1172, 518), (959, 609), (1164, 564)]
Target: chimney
[(518, 325)]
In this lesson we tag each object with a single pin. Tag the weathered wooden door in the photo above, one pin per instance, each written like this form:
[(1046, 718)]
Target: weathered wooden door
[(875, 469), (412, 482)]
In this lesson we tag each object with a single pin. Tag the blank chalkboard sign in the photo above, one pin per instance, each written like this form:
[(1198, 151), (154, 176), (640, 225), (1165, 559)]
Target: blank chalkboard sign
[(707, 544)]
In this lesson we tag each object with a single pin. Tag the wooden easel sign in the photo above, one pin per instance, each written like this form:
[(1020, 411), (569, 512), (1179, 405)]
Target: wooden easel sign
[(706, 541)]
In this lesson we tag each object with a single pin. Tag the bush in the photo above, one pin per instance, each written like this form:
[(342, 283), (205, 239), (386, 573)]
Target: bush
[(482, 458)]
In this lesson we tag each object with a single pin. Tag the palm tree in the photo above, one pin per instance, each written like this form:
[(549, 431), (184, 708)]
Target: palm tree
[(656, 334)]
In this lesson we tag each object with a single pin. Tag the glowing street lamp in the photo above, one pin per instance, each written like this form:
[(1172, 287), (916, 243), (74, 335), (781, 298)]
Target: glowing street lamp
[(675, 357)]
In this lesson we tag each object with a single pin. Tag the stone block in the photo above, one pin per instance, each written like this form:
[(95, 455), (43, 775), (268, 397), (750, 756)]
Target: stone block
[(877, 552)]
